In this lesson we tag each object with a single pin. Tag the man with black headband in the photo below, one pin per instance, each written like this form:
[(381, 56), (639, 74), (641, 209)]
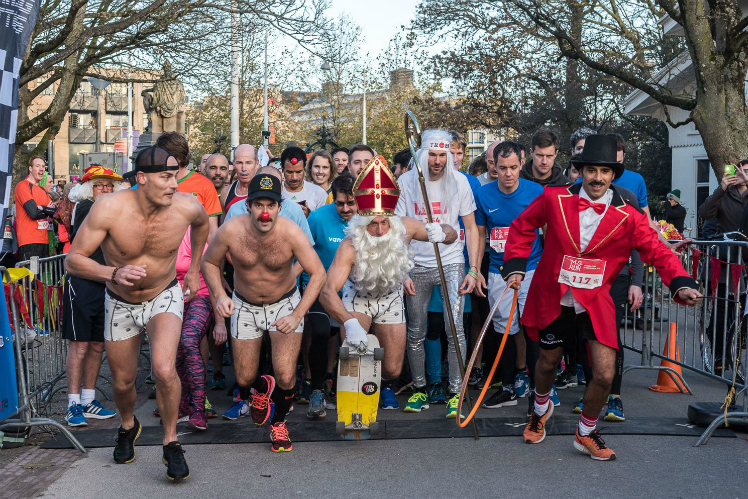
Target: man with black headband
[(139, 231), (262, 247)]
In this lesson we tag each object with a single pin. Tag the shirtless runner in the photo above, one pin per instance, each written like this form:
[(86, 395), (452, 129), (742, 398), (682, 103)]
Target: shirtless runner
[(262, 246), (371, 266), (142, 289)]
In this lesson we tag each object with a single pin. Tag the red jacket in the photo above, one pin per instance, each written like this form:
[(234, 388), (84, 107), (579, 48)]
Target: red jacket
[(622, 229)]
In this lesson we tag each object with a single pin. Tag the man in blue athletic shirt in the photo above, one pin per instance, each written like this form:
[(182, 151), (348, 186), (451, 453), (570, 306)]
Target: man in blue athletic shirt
[(497, 205), (328, 225)]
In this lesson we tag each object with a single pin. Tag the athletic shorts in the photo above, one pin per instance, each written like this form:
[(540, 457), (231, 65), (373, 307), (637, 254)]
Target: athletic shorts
[(83, 313), (564, 327), (320, 321), (387, 309), (251, 320), (496, 286), (125, 319)]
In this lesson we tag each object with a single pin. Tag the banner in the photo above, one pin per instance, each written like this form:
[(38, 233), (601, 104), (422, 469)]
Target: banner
[(17, 19)]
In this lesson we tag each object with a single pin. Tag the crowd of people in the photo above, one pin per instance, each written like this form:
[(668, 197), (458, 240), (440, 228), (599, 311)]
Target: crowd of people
[(282, 265)]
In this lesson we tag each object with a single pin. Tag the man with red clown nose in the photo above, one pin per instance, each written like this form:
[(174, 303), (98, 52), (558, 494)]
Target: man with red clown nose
[(262, 247), (371, 265)]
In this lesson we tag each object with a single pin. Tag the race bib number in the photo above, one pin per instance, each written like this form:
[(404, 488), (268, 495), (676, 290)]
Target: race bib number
[(582, 273), (498, 238), (42, 225)]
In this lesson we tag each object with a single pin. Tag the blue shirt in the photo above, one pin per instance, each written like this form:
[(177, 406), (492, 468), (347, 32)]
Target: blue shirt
[(633, 182), (289, 209), (328, 231), (494, 209), (475, 186)]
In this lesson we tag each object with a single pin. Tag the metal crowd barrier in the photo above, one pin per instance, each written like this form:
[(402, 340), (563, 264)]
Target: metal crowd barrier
[(710, 339), (40, 350)]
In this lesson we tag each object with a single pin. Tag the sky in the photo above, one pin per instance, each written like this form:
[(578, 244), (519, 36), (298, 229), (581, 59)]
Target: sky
[(379, 20)]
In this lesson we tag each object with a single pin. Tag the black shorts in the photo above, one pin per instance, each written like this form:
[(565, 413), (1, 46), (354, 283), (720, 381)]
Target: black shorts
[(83, 309), (319, 321), (26, 251), (564, 327)]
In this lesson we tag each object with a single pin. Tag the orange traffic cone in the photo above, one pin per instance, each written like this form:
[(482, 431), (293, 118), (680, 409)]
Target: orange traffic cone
[(666, 383)]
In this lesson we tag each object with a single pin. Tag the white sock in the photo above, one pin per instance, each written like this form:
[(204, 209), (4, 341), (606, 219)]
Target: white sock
[(74, 398), (87, 396)]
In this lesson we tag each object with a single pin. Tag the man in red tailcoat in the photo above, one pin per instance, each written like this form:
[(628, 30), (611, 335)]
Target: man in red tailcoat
[(590, 233)]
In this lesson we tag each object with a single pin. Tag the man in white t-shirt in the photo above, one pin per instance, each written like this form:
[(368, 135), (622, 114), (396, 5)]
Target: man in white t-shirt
[(450, 197), (308, 195)]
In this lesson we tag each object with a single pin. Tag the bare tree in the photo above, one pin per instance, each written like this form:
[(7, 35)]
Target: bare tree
[(79, 38), (621, 38)]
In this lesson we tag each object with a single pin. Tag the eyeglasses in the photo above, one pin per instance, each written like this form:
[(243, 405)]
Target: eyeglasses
[(102, 187)]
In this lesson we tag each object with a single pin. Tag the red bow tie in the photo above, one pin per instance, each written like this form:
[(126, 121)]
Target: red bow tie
[(586, 203)]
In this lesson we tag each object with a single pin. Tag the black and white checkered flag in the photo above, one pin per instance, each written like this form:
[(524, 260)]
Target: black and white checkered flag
[(17, 19)]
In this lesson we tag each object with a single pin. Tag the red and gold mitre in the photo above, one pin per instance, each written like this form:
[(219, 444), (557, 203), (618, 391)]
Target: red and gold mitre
[(376, 190)]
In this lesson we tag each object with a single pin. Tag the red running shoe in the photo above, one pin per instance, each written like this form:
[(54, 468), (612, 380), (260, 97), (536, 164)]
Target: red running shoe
[(280, 438), (260, 407)]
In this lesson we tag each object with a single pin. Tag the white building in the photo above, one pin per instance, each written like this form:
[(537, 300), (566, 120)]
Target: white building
[(478, 141), (692, 172)]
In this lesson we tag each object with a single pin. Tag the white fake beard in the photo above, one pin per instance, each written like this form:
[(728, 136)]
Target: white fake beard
[(382, 263)]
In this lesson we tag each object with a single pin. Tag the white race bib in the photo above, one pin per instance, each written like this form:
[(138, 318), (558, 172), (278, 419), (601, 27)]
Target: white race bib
[(582, 273), (498, 238), (42, 224)]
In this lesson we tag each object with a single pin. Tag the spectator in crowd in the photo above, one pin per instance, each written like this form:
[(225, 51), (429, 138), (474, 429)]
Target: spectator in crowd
[(308, 195), (340, 155), (542, 167), (320, 170), (83, 310), (33, 208), (478, 166), (401, 162), (675, 213), (457, 147)]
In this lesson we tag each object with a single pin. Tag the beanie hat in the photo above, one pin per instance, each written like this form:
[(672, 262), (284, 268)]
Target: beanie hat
[(674, 195)]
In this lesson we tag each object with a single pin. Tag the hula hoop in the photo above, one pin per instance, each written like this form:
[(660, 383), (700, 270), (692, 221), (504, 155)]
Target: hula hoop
[(469, 368)]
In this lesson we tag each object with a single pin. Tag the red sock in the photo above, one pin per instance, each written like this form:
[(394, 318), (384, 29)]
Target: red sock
[(587, 424)]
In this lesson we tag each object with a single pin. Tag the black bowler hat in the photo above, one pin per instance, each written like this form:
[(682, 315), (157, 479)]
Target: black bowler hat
[(599, 150), (265, 186)]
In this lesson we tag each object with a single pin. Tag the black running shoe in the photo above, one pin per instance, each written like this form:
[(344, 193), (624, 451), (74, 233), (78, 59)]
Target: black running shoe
[(124, 451), (502, 398), (176, 466)]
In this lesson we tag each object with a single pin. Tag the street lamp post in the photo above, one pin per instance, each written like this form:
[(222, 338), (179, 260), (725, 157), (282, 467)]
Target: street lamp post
[(99, 85)]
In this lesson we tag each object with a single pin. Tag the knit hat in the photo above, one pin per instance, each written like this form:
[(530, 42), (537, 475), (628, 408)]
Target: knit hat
[(674, 195)]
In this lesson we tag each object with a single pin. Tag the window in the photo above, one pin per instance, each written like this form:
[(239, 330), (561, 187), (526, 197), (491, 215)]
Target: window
[(117, 89), (703, 170), (86, 88), (50, 90), (81, 120), (116, 120)]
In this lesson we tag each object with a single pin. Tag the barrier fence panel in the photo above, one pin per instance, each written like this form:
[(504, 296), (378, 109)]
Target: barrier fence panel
[(35, 298), (708, 339)]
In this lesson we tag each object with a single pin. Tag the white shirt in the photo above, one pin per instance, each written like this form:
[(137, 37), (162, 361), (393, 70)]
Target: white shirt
[(589, 221), (314, 195), (460, 204)]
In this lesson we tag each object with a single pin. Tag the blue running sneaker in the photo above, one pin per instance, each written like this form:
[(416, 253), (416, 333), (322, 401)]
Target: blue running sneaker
[(95, 410), (74, 416), (579, 406), (436, 394), (238, 410), (316, 405), (554, 397), (615, 410), (580, 375), (521, 384), (305, 392), (388, 400)]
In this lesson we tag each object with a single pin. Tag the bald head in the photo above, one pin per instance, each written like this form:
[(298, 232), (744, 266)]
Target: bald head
[(245, 163), (217, 170), (493, 172), (270, 170)]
